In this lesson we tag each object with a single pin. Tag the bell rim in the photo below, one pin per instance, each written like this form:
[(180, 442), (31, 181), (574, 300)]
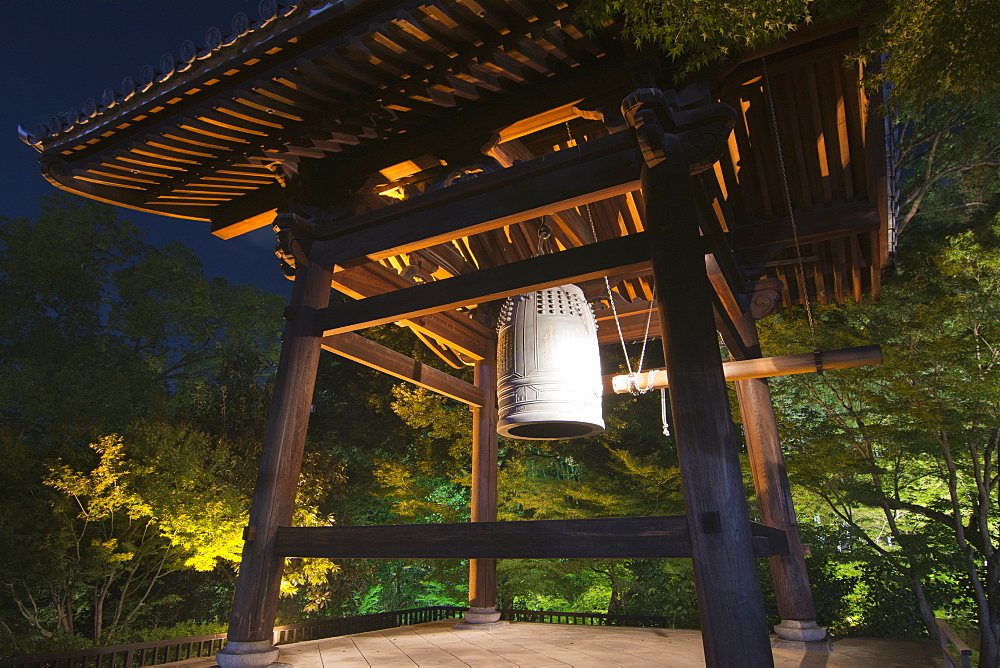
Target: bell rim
[(593, 430)]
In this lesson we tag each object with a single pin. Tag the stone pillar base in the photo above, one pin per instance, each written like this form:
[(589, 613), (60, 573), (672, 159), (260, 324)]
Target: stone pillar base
[(248, 655), (802, 635), (481, 619)]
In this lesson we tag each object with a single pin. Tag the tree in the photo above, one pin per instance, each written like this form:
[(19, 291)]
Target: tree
[(127, 381), (905, 455), (937, 50), (931, 50), (695, 35)]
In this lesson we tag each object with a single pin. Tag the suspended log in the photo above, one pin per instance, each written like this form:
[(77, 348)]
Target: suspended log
[(764, 367)]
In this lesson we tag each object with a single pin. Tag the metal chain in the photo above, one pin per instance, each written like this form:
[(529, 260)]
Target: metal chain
[(633, 387), (801, 273), (544, 235)]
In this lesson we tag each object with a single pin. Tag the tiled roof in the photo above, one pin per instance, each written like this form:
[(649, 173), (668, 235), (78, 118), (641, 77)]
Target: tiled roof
[(245, 34)]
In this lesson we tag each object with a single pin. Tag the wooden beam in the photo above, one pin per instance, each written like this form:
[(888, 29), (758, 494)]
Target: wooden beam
[(398, 365), (469, 127), (483, 501), (836, 221), (246, 225), (255, 602), (774, 495), (632, 318), (722, 545), (450, 328), (763, 367), (602, 538), (576, 264), (726, 328), (592, 171)]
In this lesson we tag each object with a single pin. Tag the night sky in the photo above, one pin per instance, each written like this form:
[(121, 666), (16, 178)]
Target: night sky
[(54, 54)]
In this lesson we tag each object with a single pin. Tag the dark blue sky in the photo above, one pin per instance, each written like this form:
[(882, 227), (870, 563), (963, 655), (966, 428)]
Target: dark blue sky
[(54, 54)]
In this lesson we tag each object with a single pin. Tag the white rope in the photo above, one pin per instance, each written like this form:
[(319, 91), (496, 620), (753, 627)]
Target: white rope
[(663, 411), (633, 386)]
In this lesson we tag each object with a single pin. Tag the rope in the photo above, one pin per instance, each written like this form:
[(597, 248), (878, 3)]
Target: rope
[(801, 273), (663, 411), (633, 386)]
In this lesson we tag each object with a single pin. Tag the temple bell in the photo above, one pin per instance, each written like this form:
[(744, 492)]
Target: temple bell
[(548, 366)]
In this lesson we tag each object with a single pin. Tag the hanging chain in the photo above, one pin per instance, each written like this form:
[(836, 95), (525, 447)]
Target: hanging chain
[(801, 273), (544, 235), (633, 386)]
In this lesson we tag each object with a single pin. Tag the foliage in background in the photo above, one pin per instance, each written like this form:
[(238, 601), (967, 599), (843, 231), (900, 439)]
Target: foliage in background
[(129, 385), (937, 50), (904, 455), (696, 35)]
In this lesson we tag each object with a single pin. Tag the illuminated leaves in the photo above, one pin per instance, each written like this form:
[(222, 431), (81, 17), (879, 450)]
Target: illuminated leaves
[(697, 34)]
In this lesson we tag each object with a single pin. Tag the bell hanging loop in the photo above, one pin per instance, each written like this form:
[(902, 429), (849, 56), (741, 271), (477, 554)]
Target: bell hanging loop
[(548, 366)]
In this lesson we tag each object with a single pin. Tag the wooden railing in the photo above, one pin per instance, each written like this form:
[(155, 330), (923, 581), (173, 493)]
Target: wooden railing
[(961, 655), (586, 618), (179, 649)]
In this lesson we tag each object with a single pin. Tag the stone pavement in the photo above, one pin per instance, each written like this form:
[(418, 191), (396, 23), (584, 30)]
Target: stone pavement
[(542, 645)]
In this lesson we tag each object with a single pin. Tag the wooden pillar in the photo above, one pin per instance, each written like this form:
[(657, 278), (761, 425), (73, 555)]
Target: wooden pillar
[(774, 498), (257, 587), (483, 572), (730, 603)]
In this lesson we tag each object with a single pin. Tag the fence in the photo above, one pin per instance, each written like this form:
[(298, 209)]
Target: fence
[(178, 649), (586, 618), (948, 636)]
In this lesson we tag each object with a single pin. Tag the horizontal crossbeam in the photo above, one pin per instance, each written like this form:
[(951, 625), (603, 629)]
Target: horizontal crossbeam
[(378, 357), (592, 171), (629, 253), (608, 538)]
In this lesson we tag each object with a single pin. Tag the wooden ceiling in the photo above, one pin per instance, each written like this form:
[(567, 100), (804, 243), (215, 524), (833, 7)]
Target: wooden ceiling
[(405, 97)]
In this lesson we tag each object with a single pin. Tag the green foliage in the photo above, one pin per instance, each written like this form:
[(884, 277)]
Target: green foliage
[(695, 35), (127, 386), (903, 455), (938, 49)]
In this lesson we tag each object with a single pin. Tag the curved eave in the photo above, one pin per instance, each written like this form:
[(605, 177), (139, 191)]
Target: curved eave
[(56, 174)]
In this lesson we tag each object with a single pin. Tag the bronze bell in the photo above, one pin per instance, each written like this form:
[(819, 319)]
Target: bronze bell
[(548, 366)]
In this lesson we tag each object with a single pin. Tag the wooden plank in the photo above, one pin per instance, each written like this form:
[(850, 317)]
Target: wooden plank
[(948, 636), (610, 538), (629, 253), (398, 365), (595, 170)]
